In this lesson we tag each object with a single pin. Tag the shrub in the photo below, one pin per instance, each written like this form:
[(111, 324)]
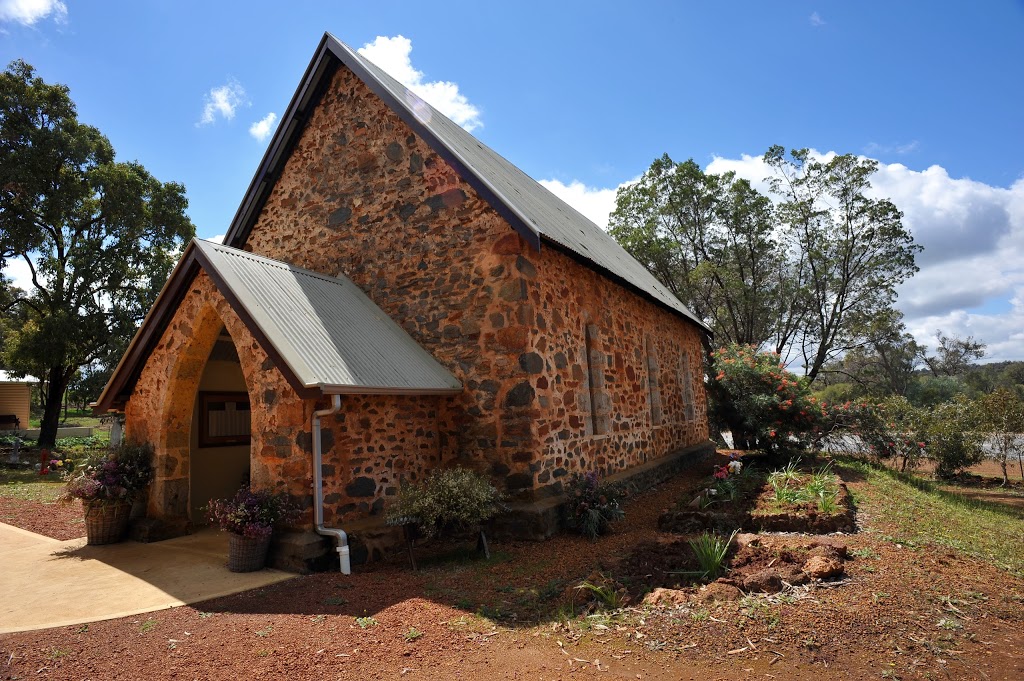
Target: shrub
[(116, 474), (893, 429), (590, 507), (448, 500), (251, 513), (954, 440)]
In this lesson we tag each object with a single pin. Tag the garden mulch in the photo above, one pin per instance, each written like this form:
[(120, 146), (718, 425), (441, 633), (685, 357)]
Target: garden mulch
[(900, 611)]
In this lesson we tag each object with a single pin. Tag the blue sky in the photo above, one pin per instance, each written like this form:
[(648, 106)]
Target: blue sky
[(584, 95)]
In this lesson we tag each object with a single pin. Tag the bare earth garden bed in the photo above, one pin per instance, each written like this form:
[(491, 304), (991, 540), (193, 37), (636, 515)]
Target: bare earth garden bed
[(910, 602)]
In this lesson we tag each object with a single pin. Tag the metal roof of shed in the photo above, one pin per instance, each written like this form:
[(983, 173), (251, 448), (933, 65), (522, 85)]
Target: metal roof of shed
[(536, 213), (324, 334)]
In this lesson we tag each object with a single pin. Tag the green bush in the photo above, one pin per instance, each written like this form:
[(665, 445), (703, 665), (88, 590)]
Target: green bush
[(448, 500), (893, 429), (955, 439)]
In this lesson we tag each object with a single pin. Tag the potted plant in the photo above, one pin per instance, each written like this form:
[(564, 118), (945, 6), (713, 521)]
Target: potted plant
[(108, 484), (249, 518)]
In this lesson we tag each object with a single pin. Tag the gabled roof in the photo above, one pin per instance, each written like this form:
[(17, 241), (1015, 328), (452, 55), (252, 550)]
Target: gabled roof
[(323, 333), (533, 211)]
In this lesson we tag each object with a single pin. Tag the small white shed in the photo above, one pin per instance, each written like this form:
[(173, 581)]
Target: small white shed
[(15, 400)]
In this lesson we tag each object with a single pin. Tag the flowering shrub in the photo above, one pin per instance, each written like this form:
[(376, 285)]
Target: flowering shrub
[(251, 513), (115, 475), (764, 405), (449, 499), (590, 506)]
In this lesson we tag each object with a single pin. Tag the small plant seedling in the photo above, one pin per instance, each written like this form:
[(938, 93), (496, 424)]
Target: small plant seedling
[(204, 615), (263, 633), (608, 596), (366, 622), (83, 629), (147, 626), (710, 550), (700, 615), (413, 634), (317, 619), (864, 552)]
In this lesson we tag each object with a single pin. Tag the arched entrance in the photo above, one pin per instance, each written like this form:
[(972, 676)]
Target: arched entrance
[(208, 359), (221, 425)]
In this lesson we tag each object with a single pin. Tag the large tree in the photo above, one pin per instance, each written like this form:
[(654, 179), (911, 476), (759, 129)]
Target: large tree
[(856, 249), (805, 272), (712, 240), (98, 237)]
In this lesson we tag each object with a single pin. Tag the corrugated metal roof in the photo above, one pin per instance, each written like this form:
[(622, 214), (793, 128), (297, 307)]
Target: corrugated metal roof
[(531, 208), (326, 330)]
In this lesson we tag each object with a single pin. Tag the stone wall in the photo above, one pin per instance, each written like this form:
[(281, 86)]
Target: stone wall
[(362, 195)]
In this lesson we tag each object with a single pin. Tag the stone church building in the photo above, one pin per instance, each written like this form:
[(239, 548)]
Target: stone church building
[(463, 313)]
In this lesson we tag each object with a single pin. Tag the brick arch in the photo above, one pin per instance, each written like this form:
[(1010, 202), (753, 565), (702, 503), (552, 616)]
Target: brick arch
[(173, 438)]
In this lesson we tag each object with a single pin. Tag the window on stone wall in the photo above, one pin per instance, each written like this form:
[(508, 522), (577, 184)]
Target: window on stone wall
[(599, 417), (654, 383), (224, 419), (686, 376)]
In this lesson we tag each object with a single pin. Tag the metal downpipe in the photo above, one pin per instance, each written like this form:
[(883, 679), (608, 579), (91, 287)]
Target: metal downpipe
[(318, 489)]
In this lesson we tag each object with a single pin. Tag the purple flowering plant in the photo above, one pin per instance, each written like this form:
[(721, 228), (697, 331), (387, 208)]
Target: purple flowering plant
[(590, 506), (117, 474), (251, 513)]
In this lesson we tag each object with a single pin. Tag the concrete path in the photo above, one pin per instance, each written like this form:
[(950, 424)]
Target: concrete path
[(48, 583)]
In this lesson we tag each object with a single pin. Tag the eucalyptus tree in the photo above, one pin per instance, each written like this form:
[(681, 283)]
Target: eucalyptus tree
[(855, 249), (97, 236), (713, 241)]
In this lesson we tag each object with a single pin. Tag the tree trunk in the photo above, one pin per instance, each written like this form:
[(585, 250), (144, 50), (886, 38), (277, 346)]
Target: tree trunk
[(56, 384)]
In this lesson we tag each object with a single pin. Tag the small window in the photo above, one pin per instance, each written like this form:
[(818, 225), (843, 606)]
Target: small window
[(654, 383), (599, 420), (224, 419), (686, 376)]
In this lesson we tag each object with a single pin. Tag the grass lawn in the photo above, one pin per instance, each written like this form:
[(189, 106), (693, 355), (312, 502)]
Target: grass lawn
[(76, 418), (918, 512), (29, 485)]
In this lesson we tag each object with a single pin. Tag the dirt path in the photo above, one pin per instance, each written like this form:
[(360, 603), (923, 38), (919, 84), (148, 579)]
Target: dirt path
[(904, 612)]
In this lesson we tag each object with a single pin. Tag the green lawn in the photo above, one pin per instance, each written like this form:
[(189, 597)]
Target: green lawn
[(920, 513), (28, 484), (77, 418)]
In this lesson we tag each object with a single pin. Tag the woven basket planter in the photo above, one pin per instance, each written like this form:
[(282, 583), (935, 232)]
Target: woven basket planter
[(246, 554), (106, 521)]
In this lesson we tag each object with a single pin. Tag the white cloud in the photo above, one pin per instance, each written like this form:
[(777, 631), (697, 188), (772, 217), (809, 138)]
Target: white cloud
[(218, 238), (971, 280), (19, 274), (262, 128), (816, 19), (28, 12), (222, 101), (392, 55)]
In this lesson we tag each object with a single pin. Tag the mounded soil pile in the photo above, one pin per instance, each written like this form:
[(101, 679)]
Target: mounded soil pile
[(804, 518)]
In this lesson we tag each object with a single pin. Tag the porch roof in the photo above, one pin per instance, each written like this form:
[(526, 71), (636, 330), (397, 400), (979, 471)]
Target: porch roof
[(324, 333)]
